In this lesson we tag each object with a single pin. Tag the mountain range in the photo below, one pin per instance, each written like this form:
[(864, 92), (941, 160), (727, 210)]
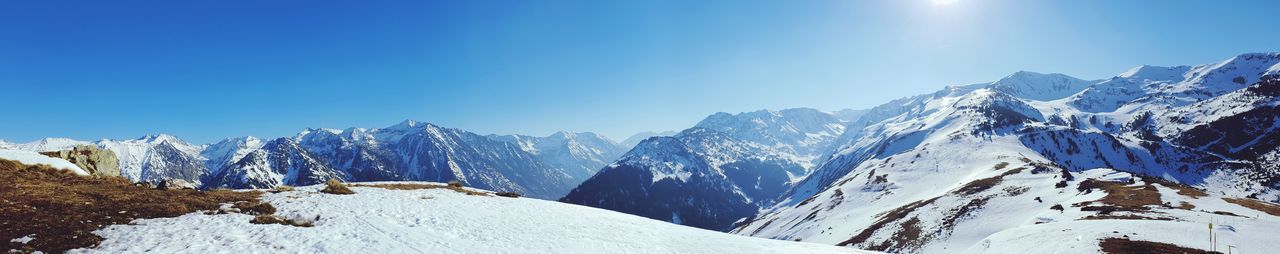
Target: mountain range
[(542, 167), (943, 171), (977, 168)]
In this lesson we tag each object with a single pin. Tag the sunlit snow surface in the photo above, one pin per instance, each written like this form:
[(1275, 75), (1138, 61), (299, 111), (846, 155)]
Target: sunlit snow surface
[(33, 158), (430, 221)]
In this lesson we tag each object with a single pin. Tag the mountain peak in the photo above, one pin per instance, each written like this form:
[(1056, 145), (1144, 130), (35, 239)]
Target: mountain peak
[(1151, 72), (1039, 86), (407, 123), (159, 138)]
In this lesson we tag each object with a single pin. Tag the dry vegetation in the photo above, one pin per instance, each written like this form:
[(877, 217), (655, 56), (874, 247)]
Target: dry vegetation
[(272, 219), (980, 185), (60, 210), (1265, 207), (1182, 189), (1123, 217), (1120, 196), (1126, 246), (333, 186), (884, 220)]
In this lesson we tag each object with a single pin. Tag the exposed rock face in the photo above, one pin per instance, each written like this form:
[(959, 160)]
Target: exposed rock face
[(98, 161), (176, 184)]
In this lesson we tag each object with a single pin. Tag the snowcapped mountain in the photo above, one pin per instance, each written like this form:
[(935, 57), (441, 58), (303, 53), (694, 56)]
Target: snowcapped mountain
[(150, 158), (157, 157), (635, 139), (229, 151), (850, 115), (1040, 87), (979, 167), (579, 155), (543, 167), (276, 162), (715, 174)]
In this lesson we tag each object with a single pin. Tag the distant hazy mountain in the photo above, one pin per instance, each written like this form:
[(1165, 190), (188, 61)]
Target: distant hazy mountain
[(635, 139)]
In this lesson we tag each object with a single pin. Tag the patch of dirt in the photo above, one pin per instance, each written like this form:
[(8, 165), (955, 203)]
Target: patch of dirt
[(1123, 217), (1126, 246), (60, 210), (1254, 204), (1120, 196)]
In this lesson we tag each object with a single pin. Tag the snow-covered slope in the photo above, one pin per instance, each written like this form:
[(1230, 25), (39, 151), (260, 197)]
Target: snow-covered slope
[(33, 158), (940, 173), (716, 173), (429, 221)]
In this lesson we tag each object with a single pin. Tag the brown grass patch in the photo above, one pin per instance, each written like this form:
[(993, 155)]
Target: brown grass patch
[(423, 186), (909, 235), (272, 219), (333, 186), (61, 210), (1126, 246), (886, 218), (1182, 188), (1121, 197), (1123, 217), (1254, 204), (981, 185), (255, 208)]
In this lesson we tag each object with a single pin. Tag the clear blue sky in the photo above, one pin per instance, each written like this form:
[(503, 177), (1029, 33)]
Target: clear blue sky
[(204, 69)]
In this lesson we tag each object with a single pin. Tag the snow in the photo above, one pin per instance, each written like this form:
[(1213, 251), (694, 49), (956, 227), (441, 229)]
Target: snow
[(919, 150), (22, 240), (49, 145), (33, 158), (429, 221), (1252, 232)]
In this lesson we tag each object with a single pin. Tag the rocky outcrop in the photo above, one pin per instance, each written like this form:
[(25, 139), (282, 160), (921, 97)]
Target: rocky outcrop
[(98, 161)]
